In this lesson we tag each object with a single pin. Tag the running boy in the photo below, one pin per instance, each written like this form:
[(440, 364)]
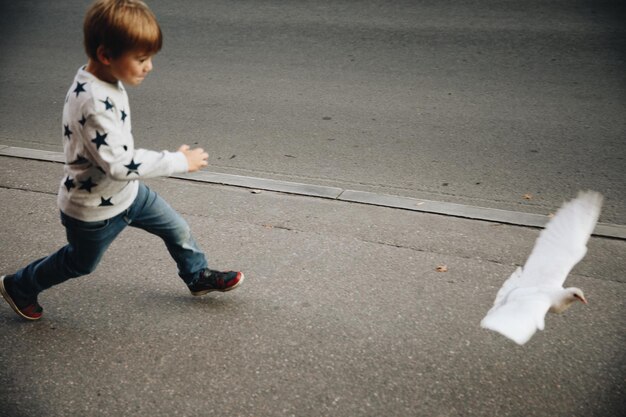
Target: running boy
[(101, 192)]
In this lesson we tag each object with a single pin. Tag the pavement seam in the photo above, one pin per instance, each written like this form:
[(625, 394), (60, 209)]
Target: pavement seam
[(476, 258), (4, 187), (473, 258), (608, 230)]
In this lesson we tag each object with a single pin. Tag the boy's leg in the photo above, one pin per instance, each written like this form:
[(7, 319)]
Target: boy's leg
[(87, 242), (154, 215)]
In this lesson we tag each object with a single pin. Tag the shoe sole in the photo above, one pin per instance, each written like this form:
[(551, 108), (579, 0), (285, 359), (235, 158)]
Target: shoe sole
[(9, 300), (198, 293)]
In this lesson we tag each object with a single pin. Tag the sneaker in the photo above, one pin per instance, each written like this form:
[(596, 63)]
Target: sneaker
[(210, 280), (28, 308)]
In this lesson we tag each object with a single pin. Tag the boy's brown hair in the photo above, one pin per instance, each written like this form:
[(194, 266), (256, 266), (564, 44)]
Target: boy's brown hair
[(121, 26)]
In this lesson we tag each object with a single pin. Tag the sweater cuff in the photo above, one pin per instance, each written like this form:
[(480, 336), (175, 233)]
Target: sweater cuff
[(180, 163)]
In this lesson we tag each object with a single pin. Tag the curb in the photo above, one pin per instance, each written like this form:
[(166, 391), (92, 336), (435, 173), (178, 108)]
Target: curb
[(516, 218)]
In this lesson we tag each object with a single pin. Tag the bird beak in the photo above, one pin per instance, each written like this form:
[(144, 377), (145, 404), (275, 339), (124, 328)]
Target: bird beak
[(584, 300)]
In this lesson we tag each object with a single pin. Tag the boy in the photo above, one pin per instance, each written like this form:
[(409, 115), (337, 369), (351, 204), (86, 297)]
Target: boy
[(100, 192)]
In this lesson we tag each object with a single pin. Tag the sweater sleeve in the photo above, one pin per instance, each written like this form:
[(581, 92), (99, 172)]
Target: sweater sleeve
[(111, 146)]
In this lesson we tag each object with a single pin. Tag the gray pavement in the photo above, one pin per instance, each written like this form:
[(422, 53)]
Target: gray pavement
[(342, 313)]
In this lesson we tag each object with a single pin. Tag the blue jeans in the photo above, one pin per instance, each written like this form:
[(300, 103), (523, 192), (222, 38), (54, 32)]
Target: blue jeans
[(87, 242)]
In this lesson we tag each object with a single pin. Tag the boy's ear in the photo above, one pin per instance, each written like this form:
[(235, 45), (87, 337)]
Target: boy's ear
[(103, 55)]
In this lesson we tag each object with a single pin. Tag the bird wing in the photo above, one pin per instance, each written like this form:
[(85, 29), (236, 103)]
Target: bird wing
[(563, 242), (514, 281), (519, 315)]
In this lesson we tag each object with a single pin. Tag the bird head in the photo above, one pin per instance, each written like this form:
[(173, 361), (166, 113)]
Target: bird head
[(567, 298), (577, 295)]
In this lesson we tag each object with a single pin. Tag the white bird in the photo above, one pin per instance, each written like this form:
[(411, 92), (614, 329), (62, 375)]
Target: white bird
[(525, 298)]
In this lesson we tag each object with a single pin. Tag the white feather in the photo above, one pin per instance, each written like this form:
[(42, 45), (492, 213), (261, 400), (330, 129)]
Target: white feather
[(530, 292)]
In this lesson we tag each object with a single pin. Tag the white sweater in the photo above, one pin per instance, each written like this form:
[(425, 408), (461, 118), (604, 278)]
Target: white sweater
[(102, 165)]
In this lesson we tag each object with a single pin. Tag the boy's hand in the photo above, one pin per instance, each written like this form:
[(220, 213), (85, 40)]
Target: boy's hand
[(196, 158)]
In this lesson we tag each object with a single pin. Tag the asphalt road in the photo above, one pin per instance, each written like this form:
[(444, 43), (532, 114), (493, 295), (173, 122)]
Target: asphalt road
[(473, 102)]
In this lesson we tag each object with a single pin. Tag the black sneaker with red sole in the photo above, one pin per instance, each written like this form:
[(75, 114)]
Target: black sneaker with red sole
[(27, 308), (210, 280)]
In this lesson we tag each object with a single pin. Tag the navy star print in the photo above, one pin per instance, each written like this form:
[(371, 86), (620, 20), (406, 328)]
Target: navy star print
[(99, 140), (108, 104), (68, 132), (124, 116), (133, 168), (83, 121), (79, 88), (105, 201), (69, 184), (87, 185)]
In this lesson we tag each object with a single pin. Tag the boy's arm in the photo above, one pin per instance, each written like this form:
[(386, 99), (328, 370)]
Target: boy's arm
[(111, 147)]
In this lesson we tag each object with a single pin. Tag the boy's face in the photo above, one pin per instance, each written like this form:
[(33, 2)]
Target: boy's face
[(131, 67)]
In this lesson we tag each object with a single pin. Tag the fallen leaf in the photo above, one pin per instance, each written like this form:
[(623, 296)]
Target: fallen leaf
[(442, 268), (527, 196)]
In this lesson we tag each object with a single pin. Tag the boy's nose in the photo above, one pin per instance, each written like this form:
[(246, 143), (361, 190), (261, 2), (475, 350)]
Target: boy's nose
[(148, 66)]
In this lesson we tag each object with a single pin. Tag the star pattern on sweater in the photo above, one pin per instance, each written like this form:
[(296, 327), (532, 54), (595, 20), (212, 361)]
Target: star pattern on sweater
[(69, 184), (79, 88), (100, 140), (87, 185), (84, 174), (133, 168), (108, 104), (105, 201), (68, 132)]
